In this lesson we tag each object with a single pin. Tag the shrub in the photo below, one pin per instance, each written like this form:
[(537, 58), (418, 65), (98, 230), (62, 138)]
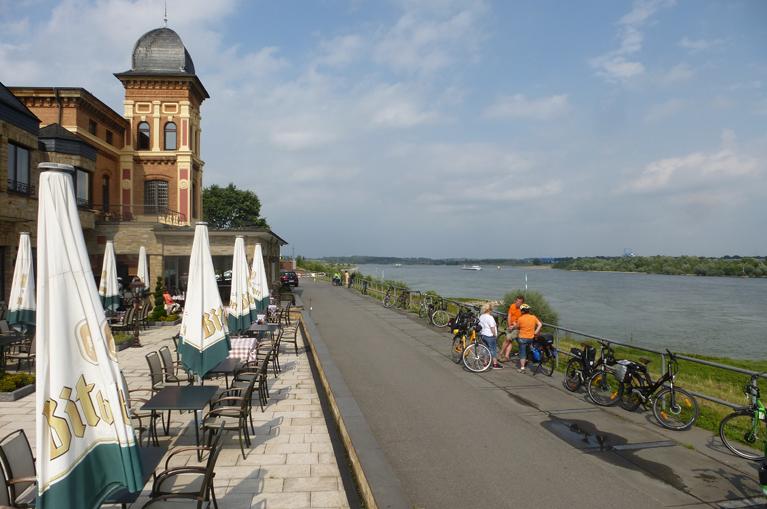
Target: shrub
[(535, 300), (12, 381), (169, 318), (158, 312), (122, 337)]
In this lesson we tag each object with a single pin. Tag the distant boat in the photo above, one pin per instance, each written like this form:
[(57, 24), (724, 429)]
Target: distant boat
[(473, 267), (398, 265)]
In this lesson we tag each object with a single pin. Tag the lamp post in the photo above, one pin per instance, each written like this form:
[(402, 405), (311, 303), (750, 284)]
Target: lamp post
[(137, 290)]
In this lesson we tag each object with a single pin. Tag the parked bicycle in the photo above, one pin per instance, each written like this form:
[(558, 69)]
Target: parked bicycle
[(742, 431), (461, 326), (439, 316), (542, 355), (402, 300), (583, 364), (388, 299), (629, 383)]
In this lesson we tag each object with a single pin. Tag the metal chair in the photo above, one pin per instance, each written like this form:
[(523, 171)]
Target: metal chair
[(291, 336), (18, 463), (230, 411), (174, 371), (25, 353), (170, 484), (255, 371), (133, 413), (126, 323), (157, 378), (5, 494)]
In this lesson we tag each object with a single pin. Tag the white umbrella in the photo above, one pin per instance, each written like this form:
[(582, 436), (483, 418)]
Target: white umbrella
[(21, 307), (259, 285), (204, 331), (108, 290), (143, 268), (85, 443), (240, 303)]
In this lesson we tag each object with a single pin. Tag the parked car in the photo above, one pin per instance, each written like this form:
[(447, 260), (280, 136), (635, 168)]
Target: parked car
[(289, 278)]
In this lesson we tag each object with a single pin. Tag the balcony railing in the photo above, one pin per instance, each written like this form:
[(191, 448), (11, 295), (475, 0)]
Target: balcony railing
[(20, 187), (141, 213)]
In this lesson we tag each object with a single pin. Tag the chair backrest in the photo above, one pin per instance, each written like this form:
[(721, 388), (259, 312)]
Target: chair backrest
[(128, 316), (126, 391), (167, 361), (17, 457), (155, 369), (4, 326)]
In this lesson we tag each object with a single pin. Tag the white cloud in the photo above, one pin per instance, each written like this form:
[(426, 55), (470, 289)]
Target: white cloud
[(712, 170), (341, 51), (695, 45), (618, 65), (519, 106), (678, 73), (664, 110), (396, 106)]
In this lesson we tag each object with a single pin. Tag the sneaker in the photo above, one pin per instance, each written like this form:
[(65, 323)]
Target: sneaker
[(522, 370), (497, 366)]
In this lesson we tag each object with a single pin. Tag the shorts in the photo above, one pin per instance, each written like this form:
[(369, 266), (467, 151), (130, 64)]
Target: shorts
[(523, 343), (512, 334), (492, 344)]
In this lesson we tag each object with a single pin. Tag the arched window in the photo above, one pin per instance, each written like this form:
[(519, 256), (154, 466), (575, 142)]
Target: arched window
[(170, 136), (142, 138), (155, 196)]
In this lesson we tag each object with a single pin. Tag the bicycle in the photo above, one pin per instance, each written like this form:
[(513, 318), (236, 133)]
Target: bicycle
[(742, 425), (542, 354), (440, 317), (387, 300), (402, 299), (476, 355), (673, 408), (583, 366), (461, 327)]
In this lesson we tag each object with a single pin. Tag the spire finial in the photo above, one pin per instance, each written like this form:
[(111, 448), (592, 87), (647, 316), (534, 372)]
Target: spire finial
[(165, 18)]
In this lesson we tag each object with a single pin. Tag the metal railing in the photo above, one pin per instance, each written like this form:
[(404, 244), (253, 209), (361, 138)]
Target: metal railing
[(377, 289), (141, 213)]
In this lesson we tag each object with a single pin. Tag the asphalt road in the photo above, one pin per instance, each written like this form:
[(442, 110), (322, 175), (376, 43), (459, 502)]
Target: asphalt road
[(499, 439)]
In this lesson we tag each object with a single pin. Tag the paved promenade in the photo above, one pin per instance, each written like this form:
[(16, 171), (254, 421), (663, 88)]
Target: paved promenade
[(503, 439), (291, 463)]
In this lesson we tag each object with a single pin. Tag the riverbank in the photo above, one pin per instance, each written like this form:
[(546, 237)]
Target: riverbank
[(746, 267)]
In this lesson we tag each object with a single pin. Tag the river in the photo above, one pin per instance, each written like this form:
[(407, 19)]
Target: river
[(706, 315)]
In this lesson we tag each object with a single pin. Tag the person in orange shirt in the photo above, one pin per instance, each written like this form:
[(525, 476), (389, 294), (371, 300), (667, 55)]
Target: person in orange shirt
[(529, 327), (513, 334)]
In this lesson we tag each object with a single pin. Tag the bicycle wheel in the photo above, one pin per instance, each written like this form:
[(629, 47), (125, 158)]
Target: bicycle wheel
[(675, 409), (423, 310), (456, 352), (630, 400), (604, 388), (547, 364), (740, 432), (573, 374), (477, 358), (440, 318)]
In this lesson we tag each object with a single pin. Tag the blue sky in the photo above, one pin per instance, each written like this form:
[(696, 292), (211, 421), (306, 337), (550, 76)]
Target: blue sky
[(445, 128)]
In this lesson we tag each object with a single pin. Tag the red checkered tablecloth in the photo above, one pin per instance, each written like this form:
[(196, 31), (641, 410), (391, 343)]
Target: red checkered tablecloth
[(241, 347)]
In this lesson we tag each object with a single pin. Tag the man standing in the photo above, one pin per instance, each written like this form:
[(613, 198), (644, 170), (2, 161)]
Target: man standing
[(513, 330), (346, 278), (529, 327)]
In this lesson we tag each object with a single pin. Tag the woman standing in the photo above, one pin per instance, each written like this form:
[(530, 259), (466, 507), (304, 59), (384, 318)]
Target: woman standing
[(489, 332)]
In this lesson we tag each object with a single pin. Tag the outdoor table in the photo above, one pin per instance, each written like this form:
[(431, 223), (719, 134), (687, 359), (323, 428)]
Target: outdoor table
[(150, 458), (242, 348), (262, 328), (188, 397), (226, 367)]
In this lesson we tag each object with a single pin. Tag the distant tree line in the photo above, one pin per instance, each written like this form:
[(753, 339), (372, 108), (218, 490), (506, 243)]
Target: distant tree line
[(390, 260), (673, 265)]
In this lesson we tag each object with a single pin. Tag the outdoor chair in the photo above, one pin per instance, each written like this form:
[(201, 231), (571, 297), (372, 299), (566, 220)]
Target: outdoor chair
[(189, 482), (230, 411), (126, 323), (291, 336), (18, 463), (144, 418), (175, 340), (157, 380), (251, 371), (174, 371), (285, 312), (24, 353), (5, 494)]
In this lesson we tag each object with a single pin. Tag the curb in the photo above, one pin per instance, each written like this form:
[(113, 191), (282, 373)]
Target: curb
[(378, 485)]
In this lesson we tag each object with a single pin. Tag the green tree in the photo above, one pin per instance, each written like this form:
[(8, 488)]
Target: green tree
[(540, 306), (158, 312), (229, 207)]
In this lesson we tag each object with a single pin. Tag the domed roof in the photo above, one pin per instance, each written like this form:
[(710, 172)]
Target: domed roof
[(160, 51)]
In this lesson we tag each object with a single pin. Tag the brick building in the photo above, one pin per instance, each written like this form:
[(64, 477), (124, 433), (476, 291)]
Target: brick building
[(138, 175)]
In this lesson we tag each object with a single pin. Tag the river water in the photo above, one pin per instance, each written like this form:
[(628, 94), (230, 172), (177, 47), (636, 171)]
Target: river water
[(704, 315)]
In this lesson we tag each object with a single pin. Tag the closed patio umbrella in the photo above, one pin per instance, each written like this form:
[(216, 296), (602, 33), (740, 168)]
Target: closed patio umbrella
[(108, 290), (204, 331), (240, 303), (85, 443), (21, 306), (259, 284), (143, 267)]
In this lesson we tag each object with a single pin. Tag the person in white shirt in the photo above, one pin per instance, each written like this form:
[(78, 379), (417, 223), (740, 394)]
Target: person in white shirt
[(489, 332)]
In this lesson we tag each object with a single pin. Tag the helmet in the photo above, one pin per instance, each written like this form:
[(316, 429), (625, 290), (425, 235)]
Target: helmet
[(524, 307)]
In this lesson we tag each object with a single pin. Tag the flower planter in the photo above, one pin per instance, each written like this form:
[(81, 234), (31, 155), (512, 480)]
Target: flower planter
[(18, 393)]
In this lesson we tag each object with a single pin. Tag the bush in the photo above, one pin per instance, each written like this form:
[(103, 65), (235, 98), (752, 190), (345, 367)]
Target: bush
[(122, 337), (169, 318), (158, 312), (535, 300), (12, 381)]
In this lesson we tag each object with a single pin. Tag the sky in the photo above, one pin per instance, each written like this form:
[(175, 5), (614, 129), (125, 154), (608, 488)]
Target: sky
[(445, 128)]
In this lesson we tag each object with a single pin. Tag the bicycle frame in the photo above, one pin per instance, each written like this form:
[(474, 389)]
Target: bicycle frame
[(646, 393)]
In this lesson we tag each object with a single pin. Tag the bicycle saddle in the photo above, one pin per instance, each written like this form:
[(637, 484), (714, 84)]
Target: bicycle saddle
[(645, 360)]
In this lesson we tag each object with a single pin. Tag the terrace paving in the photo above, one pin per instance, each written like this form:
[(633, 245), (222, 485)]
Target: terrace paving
[(291, 463)]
